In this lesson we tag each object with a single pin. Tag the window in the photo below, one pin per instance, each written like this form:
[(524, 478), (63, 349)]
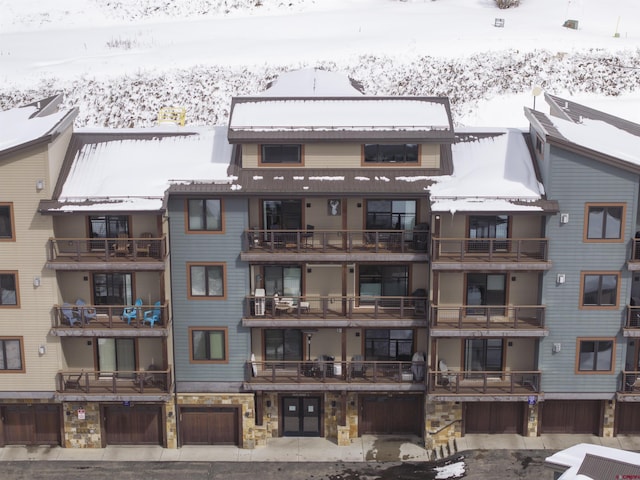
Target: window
[(486, 289), (11, 359), (204, 215), (383, 281), (281, 153), (208, 345), (388, 345), (483, 355), (485, 227), (595, 355), (207, 281), (391, 214), (117, 355), (6, 222), (112, 289), (282, 214), (398, 153), (9, 289), (599, 289), (539, 145), (604, 222), (283, 344), (285, 281)]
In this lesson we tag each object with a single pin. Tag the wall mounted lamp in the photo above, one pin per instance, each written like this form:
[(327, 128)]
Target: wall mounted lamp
[(42, 349), (39, 184)]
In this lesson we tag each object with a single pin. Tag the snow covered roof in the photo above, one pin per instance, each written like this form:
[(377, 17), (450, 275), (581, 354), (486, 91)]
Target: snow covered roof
[(492, 172), (309, 82), (22, 126), (131, 170), (585, 460)]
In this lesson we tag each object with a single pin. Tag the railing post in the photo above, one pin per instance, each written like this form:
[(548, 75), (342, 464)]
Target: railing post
[(460, 316)]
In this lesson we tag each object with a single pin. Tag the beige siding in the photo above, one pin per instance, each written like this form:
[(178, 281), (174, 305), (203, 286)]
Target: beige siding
[(524, 289), (57, 151), (430, 155), (521, 354), (526, 226), (451, 289), (449, 350), (453, 226)]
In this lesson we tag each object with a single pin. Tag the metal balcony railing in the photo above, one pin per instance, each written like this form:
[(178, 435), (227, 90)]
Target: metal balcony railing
[(512, 250), (506, 382), (633, 317), (141, 249), (487, 316), (110, 316), (101, 382)]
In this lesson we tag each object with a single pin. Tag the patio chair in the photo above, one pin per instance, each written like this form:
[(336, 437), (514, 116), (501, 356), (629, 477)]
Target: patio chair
[(73, 382), (307, 237), (358, 368), (152, 316), (131, 313), (87, 314), (69, 314), (143, 246), (122, 244), (446, 379)]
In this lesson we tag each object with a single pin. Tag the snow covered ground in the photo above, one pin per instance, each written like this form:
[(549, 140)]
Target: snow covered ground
[(121, 60)]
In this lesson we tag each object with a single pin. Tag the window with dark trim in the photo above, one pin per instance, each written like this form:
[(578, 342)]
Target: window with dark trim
[(604, 222), (204, 215), (391, 153), (6, 222), (208, 345), (394, 345), (539, 145), (206, 280), (11, 355), (483, 355), (595, 355), (283, 344), (9, 289), (281, 153), (391, 214), (599, 289)]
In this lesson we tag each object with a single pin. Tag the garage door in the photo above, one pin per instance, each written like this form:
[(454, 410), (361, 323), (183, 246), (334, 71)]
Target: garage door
[(19, 425), (383, 415), (628, 417), (494, 417), (133, 425), (209, 426), (571, 416)]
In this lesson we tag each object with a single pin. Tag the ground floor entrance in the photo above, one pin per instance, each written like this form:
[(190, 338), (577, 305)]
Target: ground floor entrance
[(210, 426), (494, 417), (571, 416), (301, 416), (132, 424), (390, 414), (35, 424)]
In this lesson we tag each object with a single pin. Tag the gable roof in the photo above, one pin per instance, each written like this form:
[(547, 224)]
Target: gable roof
[(586, 460)]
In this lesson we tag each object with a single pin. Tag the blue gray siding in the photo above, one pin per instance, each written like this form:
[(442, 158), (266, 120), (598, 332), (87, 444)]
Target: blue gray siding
[(209, 313), (573, 180)]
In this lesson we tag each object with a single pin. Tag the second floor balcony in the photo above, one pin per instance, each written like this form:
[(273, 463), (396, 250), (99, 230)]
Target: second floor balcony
[(472, 383), (515, 320), (150, 384)]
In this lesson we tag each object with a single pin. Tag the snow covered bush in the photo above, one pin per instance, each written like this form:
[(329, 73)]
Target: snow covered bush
[(507, 3)]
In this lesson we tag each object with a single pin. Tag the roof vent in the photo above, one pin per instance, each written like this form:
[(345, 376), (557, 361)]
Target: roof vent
[(172, 115)]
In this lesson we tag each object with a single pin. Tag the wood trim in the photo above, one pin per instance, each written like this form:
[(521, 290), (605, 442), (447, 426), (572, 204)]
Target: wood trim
[(417, 164), (207, 264), (17, 283), (595, 372), (12, 222), (225, 330), (24, 367), (587, 206), (279, 165), (599, 307), (188, 231)]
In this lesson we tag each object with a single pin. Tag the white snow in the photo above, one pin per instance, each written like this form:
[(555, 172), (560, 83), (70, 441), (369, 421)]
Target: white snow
[(573, 457), (453, 470), (311, 82), (16, 128)]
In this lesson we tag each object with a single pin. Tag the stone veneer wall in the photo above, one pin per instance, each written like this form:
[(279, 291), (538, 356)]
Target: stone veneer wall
[(609, 418), (533, 415), (443, 421), (79, 433), (246, 402), (171, 425)]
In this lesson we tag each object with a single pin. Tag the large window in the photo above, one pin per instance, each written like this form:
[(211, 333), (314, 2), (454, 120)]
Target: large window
[(599, 289), (6, 222), (604, 222), (282, 214), (383, 281), (595, 355), (204, 215), (485, 289), (117, 355), (11, 359), (208, 345), (108, 226), (388, 345), (391, 214), (283, 344), (488, 227), (112, 289), (285, 281), (483, 355), (207, 281), (391, 153), (281, 153), (9, 289)]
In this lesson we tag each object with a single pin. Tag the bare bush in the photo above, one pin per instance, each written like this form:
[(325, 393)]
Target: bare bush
[(507, 3)]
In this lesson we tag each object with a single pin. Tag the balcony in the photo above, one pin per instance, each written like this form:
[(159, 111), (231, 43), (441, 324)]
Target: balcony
[(632, 321), (483, 253), (630, 385), (335, 311), (634, 261), (92, 320), (107, 253), (101, 384), (507, 320), (475, 383), (335, 245), (335, 375)]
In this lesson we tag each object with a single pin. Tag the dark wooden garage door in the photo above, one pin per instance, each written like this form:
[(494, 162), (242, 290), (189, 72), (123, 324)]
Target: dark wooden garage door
[(383, 415), (494, 417), (628, 417), (209, 426), (30, 425), (571, 416), (133, 425)]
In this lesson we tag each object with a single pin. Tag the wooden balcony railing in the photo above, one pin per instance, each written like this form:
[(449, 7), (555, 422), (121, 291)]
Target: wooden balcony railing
[(633, 317), (107, 249), (335, 372), (630, 382), (490, 249), (101, 382), (110, 316), (397, 241), (505, 382), (635, 250), (487, 316), (336, 307)]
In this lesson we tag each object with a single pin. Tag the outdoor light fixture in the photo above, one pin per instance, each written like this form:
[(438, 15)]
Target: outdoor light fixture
[(36, 282), (39, 184), (42, 349)]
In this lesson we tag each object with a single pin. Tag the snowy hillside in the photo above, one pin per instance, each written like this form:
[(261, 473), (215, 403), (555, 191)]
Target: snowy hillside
[(119, 61)]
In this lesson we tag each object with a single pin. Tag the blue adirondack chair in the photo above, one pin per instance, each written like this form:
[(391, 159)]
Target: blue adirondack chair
[(131, 313), (86, 313), (152, 316), (69, 314)]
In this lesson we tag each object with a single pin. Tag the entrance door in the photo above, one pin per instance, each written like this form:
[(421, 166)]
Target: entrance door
[(209, 426), (301, 416), (133, 425), (20, 427)]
